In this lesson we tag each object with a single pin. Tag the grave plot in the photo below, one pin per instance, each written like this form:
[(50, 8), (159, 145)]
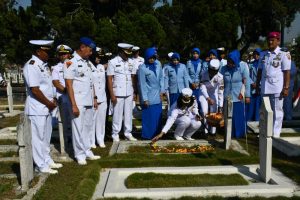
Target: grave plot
[(113, 183)]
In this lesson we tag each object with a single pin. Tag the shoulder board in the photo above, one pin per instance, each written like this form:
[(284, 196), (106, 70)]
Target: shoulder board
[(68, 63), (31, 62)]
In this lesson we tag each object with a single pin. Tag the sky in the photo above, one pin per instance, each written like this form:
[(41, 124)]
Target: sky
[(290, 33)]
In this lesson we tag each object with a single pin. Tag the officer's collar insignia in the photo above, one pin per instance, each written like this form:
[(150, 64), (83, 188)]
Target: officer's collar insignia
[(79, 65), (31, 62)]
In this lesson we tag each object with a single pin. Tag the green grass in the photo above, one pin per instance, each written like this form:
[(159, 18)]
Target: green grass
[(8, 154), (157, 180), (9, 121), (8, 142), (289, 134), (7, 188), (9, 168)]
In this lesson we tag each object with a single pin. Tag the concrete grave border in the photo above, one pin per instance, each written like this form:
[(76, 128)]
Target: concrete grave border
[(112, 183)]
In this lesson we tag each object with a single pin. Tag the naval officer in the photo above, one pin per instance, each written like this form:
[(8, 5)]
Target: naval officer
[(274, 77), (39, 104), (121, 81), (78, 77)]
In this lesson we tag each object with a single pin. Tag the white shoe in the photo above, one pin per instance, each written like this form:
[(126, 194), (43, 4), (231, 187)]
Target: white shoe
[(189, 138), (178, 138), (56, 165), (93, 146), (93, 157), (49, 171), (102, 145), (131, 138), (116, 139), (81, 162)]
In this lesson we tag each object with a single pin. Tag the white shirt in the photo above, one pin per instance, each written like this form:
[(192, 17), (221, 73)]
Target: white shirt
[(80, 71), (176, 113), (99, 80), (37, 74), (58, 74), (273, 64), (121, 71), (213, 87), (138, 61)]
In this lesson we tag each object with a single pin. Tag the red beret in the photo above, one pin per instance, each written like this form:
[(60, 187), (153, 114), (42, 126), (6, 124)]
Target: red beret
[(274, 35)]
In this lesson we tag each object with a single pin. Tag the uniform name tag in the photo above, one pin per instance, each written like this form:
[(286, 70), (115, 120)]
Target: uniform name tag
[(118, 65), (79, 65)]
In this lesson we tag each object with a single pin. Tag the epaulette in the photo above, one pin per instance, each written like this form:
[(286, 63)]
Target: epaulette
[(68, 63), (31, 62), (284, 49)]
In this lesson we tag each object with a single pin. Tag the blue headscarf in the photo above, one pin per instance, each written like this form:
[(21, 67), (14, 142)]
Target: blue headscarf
[(197, 61), (213, 51), (258, 50), (149, 53), (175, 56), (235, 57)]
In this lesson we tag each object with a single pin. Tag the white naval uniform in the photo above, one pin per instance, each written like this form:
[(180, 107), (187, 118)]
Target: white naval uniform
[(99, 80), (123, 90), (213, 89), (137, 62), (63, 99), (37, 74), (185, 119), (273, 64), (80, 71)]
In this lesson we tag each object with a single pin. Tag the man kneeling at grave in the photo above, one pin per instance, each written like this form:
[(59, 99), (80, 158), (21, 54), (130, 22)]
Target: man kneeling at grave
[(184, 113)]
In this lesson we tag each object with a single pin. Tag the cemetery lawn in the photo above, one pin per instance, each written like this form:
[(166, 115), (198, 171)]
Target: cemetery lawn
[(9, 121), (157, 180)]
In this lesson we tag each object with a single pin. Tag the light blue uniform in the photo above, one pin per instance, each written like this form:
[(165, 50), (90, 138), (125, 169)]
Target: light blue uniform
[(175, 81), (150, 77), (236, 82), (151, 84), (252, 109), (288, 101)]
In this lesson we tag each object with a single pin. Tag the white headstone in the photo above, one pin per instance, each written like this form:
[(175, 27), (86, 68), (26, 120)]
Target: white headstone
[(228, 106), (265, 140), (25, 152), (61, 132), (10, 98)]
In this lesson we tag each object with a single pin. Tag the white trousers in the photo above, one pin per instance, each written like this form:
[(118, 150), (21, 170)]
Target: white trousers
[(277, 107), (82, 127), (212, 108), (123, 108), (41, 130), (99, 120), (186, 126)]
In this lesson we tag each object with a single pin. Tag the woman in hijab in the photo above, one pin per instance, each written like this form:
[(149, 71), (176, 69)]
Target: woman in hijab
[(151, 88), (237, 88)]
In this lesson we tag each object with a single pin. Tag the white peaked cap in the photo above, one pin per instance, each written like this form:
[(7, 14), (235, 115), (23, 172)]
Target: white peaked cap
[(214, 64), (170, 54), (41, 42), (135, 48), (63, 48), (125, 46), (187, 92)]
